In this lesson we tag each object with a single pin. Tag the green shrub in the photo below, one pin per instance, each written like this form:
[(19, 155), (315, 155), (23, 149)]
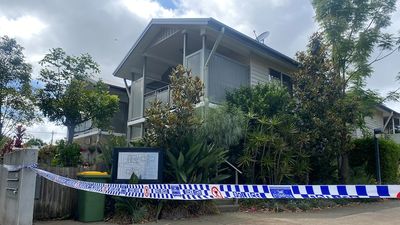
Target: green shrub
[(273, 149), (223, 126), (47, 154), (105, 150), (195, 162), (363, 155), (131, 209), (68, 155)]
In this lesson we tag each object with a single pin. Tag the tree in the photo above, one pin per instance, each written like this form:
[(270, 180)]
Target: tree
[(322, 110), (272, 150), (189, 157), (37, 142), (9, 144), (16, 99), (68, 97), (167, 125), (352, 30)]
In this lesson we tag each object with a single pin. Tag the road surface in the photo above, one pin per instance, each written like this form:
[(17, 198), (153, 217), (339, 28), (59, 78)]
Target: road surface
[(387, 212)]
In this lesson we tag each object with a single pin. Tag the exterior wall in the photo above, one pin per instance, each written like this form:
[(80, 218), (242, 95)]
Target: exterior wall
[(259, 70), (376, 121), (137, 95), (395, 137), (224, 75), (193, 63)]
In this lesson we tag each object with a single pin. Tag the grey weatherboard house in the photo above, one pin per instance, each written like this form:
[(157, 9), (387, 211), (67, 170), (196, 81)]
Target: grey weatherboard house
[(222, 57)]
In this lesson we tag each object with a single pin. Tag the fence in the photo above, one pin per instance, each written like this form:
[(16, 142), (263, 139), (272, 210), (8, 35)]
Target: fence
[(53, 200)]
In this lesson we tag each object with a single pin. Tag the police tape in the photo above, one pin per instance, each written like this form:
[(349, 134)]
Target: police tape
[(225, 191)]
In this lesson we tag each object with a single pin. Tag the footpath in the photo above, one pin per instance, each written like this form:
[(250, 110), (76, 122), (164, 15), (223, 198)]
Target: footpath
[(386, 212)]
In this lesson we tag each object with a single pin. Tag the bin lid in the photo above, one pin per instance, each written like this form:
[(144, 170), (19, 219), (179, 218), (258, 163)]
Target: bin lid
[(92, 173)]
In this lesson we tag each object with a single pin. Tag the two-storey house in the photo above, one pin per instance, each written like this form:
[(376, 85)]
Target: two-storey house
[(222, 57)]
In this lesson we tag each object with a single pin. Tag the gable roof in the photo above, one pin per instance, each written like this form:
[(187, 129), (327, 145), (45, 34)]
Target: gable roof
[(216, 25), (387, 109)]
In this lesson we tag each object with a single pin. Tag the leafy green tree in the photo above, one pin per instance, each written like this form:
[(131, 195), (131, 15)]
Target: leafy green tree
[(273, 150), (322, 110), (173, 127), (16, 99), (34, 142), (223, 126), (352, 30), (68, 97), (167, 125), (68, 155)]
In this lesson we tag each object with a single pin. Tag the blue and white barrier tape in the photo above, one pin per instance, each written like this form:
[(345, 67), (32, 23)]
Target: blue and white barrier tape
[(226, 191), (15, 168)]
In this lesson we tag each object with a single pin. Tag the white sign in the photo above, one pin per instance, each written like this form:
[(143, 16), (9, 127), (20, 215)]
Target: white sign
[(143, 164)]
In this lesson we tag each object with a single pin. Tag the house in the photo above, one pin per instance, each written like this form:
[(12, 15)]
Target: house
[(222, 57), (383, 118), (86, 134)]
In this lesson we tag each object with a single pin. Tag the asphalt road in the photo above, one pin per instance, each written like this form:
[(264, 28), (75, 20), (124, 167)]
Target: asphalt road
[(387, 212)]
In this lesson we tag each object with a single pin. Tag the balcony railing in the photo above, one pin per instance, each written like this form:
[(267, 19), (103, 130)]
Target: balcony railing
[(162, 94)]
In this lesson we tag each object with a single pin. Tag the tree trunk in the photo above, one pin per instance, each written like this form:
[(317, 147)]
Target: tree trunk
[(1, 125), (1, 129), (70, 134), (344, 168)]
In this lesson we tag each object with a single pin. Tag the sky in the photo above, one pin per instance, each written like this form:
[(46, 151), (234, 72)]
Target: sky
[(106, 29)]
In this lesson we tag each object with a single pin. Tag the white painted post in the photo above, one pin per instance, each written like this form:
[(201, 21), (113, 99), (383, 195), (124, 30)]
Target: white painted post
[(17, 191), (184, 48), (393, 127)]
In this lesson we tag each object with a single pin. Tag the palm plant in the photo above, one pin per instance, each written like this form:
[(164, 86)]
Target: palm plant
[(270, 144), (197, 162)]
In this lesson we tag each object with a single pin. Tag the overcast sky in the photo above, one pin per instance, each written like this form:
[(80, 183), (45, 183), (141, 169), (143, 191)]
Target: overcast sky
[(107, 29)]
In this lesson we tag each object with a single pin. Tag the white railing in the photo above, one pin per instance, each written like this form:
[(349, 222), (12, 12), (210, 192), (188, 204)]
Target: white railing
[(162, 94)]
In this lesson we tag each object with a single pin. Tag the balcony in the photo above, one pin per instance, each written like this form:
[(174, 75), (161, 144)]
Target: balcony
[(162, 94)]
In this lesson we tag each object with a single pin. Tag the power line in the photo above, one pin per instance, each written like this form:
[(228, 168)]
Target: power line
[(43, 132)]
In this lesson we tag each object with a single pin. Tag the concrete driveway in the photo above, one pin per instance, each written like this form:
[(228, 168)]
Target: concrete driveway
[(387, 212)]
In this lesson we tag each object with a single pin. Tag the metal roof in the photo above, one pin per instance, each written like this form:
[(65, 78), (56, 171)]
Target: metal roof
[(387, 109)]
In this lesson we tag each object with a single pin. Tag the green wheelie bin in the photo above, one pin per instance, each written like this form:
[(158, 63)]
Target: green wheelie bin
[(90, 204)]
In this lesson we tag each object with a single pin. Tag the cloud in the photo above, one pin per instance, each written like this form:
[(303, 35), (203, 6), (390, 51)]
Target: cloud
[(107, 29), (147, 9), (22, 27), (47, 131)]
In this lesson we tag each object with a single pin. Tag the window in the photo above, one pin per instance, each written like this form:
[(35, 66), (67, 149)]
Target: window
[(274, 75), (284, 79)]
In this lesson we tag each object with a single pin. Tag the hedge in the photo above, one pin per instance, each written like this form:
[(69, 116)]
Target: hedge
[(363, 155)]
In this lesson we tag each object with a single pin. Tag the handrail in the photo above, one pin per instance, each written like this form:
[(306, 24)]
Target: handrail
[(236, 177), (163, 88), (230, 164)]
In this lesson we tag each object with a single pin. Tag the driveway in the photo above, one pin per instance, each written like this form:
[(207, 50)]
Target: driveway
[(387, 212)]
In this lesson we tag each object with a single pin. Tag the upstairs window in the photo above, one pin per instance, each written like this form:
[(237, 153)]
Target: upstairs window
[(284, 79)]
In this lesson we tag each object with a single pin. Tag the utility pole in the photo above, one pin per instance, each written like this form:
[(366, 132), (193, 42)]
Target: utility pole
[(52, 135)]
